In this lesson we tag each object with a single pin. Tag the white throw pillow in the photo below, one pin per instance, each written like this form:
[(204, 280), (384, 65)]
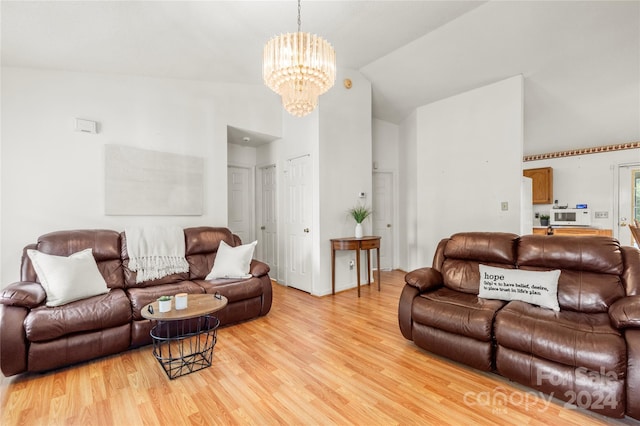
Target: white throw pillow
[(66, 279), (232, 262), (535, 287)]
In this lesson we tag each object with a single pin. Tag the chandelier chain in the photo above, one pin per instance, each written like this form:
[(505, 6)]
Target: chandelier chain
[(299, 20)]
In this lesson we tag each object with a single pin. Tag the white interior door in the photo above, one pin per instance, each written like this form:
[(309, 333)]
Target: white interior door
[(298, 243), (268, 234), (383, 216), (240, 207), (628, 200)]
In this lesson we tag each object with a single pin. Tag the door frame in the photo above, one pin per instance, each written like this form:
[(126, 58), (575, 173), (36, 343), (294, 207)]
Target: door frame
[(251, 195), (615, 224), (395, 237), (287, 225), (259, 211)]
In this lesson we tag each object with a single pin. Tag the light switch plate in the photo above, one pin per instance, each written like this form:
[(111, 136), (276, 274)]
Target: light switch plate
[(86, 126)]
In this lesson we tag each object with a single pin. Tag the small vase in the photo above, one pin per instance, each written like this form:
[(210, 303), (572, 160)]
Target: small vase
[(358, 230)]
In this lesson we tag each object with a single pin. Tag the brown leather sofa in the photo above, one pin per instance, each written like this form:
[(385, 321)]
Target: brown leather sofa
[(587, 354), (34, 337)]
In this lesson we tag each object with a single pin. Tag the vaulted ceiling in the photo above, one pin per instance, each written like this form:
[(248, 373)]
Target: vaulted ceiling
[(580, 59)]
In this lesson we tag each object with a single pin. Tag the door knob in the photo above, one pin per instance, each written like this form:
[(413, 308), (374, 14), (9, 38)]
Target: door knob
[(306, 230), (623, 221)]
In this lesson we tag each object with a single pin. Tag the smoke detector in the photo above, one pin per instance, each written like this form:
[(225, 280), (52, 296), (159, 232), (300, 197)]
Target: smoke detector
[(246, 139)]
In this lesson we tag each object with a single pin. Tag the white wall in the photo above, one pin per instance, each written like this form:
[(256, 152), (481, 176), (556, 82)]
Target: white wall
[(344, 170), (386, 140), (408, 197), (53, 178), (469, 155), (586, 179), (386, 158), (242, 156)]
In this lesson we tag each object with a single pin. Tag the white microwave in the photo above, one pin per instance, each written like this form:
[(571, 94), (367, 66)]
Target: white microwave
[(577, 217)]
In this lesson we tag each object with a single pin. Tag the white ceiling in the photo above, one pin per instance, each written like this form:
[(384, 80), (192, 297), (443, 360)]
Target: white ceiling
[(580, 59)]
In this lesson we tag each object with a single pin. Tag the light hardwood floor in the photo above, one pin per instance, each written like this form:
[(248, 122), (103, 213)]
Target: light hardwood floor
[(310, 361)]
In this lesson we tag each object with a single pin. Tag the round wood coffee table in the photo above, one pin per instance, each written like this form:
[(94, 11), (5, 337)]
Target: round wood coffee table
[(183, 339)]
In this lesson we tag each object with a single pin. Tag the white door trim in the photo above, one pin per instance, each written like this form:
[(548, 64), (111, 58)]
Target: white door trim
[(616, 198), (251, 196), (260, 215), (396, 215)]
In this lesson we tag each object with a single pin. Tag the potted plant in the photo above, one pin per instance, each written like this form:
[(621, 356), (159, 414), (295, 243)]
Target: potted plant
[(164, 303), (359, 213), (544, 220)]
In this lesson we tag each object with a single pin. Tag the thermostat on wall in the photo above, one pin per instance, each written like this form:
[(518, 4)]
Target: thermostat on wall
[(86, 126)]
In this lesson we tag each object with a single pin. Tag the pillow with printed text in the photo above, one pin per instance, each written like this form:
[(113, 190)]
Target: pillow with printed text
[(535, 287)]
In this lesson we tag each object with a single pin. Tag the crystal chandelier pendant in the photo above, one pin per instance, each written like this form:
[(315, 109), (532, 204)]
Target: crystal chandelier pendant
[(299, 67)]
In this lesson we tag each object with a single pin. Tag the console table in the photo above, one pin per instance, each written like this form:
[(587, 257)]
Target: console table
[(357, 244)]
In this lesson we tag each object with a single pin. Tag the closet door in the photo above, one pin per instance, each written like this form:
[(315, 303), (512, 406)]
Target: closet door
[(298, 242)]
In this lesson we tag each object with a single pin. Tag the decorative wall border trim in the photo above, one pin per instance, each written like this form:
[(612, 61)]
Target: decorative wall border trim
[(582, 151)]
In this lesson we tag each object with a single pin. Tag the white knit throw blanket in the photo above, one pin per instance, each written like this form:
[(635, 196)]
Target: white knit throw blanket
[(155, 252)]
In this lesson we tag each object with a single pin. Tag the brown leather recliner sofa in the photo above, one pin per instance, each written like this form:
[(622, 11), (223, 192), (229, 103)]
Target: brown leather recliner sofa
[(587, 354), (34, 337)]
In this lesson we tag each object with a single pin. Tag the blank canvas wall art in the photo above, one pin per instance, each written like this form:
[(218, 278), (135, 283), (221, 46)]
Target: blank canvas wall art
[(145, 182)]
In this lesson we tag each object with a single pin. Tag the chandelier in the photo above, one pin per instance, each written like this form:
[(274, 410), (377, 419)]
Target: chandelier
[(299, 67)]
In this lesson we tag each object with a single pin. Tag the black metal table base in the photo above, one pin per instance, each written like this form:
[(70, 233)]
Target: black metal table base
[(185, 346)]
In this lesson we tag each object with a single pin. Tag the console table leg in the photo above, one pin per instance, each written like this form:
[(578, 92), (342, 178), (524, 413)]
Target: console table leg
[(333, 270), (358, 269), (378, 265), (368, 267)]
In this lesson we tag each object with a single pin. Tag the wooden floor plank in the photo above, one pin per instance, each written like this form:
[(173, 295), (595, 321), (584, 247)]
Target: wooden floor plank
[(333, 360)]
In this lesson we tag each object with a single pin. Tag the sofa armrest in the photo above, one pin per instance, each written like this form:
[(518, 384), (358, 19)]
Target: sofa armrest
[(25, 294), (625, 312), (424, 279), (405, 320), (13, 340), (258, 269)]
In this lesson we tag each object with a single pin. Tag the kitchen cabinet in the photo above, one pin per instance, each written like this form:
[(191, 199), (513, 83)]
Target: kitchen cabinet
[(574, 231), (541, 184)]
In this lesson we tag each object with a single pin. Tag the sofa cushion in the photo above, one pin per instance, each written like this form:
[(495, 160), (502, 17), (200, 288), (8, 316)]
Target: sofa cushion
[(95, 313), (455, 312), (535, 287), (141, 296), (597, 254), (591, 268), (130, 277), (201, 247), (233, 289), (464, 252), (105, 245), (487, 247), (68, 278), (589, 292), (570, 338)]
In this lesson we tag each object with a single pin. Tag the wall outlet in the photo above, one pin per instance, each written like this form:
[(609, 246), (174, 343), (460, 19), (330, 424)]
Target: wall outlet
[(352, 263), (602, 215), (504, 206), (537, 215)]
